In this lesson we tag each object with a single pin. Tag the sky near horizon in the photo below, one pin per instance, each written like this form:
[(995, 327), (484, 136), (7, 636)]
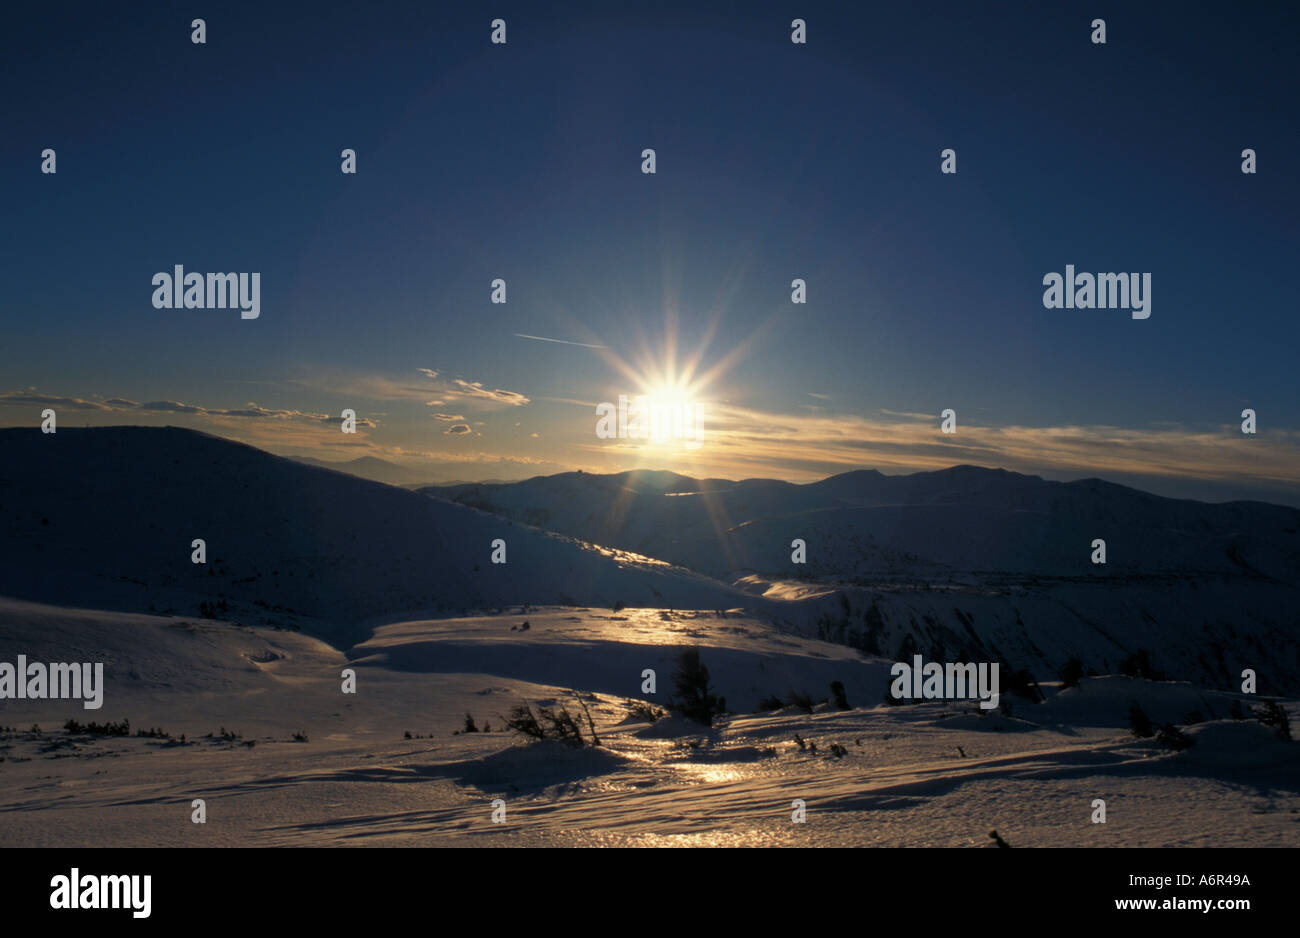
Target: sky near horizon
[(775, 161)]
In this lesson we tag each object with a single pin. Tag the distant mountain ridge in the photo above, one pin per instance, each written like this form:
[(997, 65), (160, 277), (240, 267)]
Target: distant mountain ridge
[(967, 563), (105, 518), (862, 525)]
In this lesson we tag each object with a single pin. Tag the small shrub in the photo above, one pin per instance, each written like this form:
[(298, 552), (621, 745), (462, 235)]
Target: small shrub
[(1139, 722), (1171, 737), (522, 720), (469, 725), (547, 723), (838, 697), (1021, 683), (101, 729), (300, 737), (591, 724), (1270, 714), (561, 725), (801, 700), (641, 710), (770, 703), (1139, 665), (1071, 673)]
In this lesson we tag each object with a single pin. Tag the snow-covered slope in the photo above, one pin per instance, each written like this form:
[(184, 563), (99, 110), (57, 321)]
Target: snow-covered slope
[(281, 756), (967, 563), (105, 518)]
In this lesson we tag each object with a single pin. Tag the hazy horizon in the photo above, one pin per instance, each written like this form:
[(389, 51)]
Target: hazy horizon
[(430, 471)]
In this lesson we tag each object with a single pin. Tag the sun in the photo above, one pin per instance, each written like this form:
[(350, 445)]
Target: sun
[(667, 396)]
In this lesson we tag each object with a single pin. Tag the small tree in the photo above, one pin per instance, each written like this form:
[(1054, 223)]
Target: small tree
[(1140, 722), (1139, 665), (694, 699)]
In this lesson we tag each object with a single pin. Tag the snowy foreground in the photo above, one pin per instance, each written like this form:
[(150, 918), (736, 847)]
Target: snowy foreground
[(937, 774)]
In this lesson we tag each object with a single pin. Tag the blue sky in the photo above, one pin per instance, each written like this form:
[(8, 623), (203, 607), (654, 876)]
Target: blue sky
[(775, 161)]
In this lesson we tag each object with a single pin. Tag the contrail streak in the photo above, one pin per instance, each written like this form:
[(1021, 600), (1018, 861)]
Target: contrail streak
[(542, 338)]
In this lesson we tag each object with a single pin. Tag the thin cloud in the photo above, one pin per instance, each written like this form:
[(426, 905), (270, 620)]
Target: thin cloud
[(120, 404), (476, 391), (32, 396), (173, 407), (752, 440), (430, 389)]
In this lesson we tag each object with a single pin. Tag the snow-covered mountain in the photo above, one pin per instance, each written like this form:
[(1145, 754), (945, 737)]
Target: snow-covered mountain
[(863, 526), (966, 562), (105, 518)]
